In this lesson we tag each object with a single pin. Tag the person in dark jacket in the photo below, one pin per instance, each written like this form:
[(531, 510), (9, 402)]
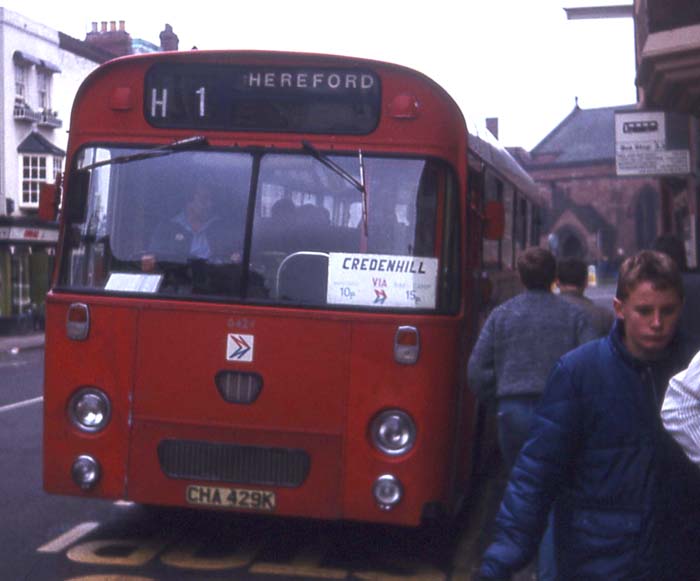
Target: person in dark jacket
[(572, 280), (690, 315), (518, 345), (597, 452)]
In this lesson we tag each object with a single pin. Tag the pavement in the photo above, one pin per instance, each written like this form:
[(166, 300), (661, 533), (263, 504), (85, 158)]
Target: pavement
[(15, 343)]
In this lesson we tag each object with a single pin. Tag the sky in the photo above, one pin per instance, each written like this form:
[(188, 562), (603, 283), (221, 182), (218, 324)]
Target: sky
[(521, 61)]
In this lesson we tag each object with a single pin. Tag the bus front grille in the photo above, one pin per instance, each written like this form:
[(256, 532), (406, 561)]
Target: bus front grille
[(194, 460)]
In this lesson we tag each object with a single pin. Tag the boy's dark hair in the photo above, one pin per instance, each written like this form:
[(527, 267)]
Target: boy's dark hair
[(573, 271), (669, 244), (537, 268), (651, 266)]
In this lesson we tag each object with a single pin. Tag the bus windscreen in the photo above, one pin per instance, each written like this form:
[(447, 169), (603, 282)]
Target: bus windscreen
[(237, 225)]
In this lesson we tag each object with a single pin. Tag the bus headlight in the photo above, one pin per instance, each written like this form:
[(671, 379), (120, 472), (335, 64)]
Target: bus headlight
[(393, 432), (86, 472), (89, 409), (387, 491)]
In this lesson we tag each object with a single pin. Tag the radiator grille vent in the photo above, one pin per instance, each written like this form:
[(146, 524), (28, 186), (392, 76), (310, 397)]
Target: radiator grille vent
[(237, 387), (194, 460)]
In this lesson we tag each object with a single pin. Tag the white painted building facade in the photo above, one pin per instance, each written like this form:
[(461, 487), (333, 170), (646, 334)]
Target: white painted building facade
[(41, 70)]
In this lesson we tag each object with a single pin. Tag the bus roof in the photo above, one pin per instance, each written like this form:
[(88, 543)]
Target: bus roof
[(488, 149)]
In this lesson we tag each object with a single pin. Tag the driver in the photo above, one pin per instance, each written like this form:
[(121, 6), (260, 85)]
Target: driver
[(195, 233)]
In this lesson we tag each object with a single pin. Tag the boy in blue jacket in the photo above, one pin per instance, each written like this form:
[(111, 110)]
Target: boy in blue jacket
[(597, 452)]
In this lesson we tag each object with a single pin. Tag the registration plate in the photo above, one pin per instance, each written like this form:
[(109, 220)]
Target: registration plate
[(231, 497)]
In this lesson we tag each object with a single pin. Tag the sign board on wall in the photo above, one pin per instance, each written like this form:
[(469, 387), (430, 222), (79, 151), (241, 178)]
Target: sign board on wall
[(647, 144)]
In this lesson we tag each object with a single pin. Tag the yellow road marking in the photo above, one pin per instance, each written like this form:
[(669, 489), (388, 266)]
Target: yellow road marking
[(119, 577), (184, 556), (305, 564), (423, 573), (128, 553)]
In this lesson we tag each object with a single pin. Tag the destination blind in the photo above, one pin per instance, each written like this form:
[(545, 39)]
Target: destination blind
[(254, 98)]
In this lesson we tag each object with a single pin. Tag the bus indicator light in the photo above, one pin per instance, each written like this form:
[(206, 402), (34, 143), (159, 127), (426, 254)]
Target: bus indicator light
[(121, 99), (406, 345), (404, 107), (86, 472), (78, 322), (387, 491)]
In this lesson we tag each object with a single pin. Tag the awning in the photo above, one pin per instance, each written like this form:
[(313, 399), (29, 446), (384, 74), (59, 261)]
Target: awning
[(24, 57), (49, 66), (28, 59)]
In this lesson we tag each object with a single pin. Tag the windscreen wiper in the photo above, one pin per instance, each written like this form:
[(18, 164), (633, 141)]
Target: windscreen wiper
[(187, 144), (359, 185)]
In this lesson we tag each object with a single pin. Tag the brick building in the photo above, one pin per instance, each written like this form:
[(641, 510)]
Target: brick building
[(667, 42), (592, 213)]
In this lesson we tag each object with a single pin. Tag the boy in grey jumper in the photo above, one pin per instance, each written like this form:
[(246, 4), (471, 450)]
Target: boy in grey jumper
[(519, 344)]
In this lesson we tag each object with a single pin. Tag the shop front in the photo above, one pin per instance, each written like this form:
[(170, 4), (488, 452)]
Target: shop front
[(27, 250)]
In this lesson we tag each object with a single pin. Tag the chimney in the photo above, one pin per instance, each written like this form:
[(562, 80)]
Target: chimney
[(168, 39), (492, 126), (113, 40)]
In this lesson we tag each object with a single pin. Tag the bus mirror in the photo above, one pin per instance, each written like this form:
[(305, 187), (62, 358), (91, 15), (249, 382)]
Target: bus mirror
[(494, 221), (77, 195), (48, 200)]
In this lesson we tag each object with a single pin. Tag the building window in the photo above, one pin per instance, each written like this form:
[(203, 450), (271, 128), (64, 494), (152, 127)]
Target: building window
[(43, 79), (37, 170), (33, 175), (21, 76)]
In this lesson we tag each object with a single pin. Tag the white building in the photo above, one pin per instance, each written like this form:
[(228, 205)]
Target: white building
[(41, 70)]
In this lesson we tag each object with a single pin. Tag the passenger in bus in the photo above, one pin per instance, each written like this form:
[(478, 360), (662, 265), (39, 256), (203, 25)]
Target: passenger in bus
[(572, 280), (623, 495), (519, 343), (282, 212)]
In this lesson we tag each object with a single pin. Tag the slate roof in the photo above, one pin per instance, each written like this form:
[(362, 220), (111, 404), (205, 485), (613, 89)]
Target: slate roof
[(37, 143), (83, 49), (584, 136)]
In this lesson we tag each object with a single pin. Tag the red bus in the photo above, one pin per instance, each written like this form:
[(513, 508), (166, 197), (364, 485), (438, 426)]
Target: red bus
[(265, 289)]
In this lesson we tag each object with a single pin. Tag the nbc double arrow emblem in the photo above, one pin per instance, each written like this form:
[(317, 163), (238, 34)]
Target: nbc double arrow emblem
[(380, 296), (239, 347)]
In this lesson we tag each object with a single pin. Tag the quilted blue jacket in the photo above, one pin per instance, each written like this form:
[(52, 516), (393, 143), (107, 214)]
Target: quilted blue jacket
[(598, 454)]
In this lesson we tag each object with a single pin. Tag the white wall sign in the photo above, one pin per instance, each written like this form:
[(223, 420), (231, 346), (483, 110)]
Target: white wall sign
[(381, 280), (641, 146), (28, 234)]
